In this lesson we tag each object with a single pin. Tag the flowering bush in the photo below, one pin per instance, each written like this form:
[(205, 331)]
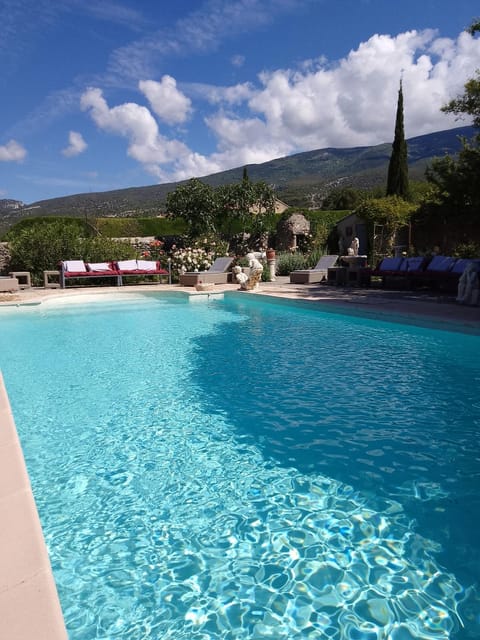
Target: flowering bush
[(191, 259), (153, 251), (197, 257)]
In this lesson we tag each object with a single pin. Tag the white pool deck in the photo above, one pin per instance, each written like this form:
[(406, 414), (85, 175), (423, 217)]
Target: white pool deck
[(29, 604)]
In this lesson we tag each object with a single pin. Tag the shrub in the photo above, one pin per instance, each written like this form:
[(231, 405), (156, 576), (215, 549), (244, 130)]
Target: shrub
[(139, 227), (82, 227), (288, 262), (466, 250), (199, 256), (43, 245)]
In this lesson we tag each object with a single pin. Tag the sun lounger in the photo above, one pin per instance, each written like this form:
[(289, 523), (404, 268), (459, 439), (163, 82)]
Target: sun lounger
[(139, 268), (317, 274), (439, 272), (442, 272), (217, 274), (399, 270)]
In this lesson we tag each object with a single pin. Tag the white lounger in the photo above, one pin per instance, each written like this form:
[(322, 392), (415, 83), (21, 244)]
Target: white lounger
[(217, 274)]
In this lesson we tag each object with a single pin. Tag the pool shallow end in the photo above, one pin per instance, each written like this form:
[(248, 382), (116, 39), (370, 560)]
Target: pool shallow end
[(29, 604)]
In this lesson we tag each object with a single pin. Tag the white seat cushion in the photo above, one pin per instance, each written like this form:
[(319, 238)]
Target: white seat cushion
[(74, 265), (99, 266), (127, 265), (147, 265)]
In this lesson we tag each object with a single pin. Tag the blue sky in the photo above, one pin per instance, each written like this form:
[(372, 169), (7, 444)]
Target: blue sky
[(100, 95)]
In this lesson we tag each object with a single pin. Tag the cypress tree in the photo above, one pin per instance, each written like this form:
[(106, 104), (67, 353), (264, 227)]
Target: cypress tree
[(397, 181)]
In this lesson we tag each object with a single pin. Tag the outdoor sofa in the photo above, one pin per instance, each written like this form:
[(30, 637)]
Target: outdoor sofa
[(78, 269), (217, 274)]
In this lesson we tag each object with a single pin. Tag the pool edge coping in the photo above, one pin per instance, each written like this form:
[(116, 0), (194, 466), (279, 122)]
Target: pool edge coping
[(29, 602)]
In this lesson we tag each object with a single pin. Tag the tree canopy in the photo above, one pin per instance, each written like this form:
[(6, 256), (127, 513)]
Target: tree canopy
[(456, 179), (196, 204), (208, 210)]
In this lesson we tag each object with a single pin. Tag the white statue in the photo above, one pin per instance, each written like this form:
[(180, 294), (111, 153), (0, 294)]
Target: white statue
[(254, 262), (256, 269), (354, 246), (468, 286), (240, 277)]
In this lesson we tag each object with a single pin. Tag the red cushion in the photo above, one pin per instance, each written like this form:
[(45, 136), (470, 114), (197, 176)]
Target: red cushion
[(143, 272), (89, 274)]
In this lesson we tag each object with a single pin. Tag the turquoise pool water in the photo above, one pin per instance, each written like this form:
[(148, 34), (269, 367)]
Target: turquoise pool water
[(233, 469)]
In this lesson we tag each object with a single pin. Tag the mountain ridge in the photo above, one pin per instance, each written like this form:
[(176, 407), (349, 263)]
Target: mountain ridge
[(293, 177)]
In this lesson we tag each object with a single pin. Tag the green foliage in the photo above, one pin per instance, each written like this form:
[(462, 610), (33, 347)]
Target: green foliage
[(43, 245), (469, 102), (420, 191), (287, 262), (343, 198), (321, 225), (397, 180), (195, 203), (139, 227), (78, 224), (105, 249), (466, 250), (474, 27), (456, 180), (232, 208), (392, 212)]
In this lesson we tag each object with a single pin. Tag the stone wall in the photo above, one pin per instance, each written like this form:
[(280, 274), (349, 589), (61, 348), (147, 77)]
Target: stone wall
[(4, 257)]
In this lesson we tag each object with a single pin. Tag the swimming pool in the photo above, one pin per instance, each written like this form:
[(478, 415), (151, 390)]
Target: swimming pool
[(235, 469)]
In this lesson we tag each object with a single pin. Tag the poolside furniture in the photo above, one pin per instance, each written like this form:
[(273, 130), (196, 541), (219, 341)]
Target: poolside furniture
[(442, 272), (75, 269), (337, 275), (317, 274), (439, 272), (392, 270), (217, 274), (139, 268), (49, 284), (26, 279)]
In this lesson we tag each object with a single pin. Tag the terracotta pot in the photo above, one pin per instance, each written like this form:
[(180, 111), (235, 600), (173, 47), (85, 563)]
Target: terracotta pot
[(270, 254)]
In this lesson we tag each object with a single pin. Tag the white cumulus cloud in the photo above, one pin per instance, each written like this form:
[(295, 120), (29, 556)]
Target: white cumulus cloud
[(345, 103), (12, 152), (145, 142), (76, 145), (170, 104), (351, 102)]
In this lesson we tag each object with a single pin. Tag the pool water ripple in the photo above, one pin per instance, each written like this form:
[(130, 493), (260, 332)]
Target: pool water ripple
[(191, 486)]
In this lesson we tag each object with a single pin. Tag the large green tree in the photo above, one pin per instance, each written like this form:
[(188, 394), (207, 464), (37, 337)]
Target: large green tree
[(397, 181), (457, 179), (246, 202), (196, 203), (228, 208)]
